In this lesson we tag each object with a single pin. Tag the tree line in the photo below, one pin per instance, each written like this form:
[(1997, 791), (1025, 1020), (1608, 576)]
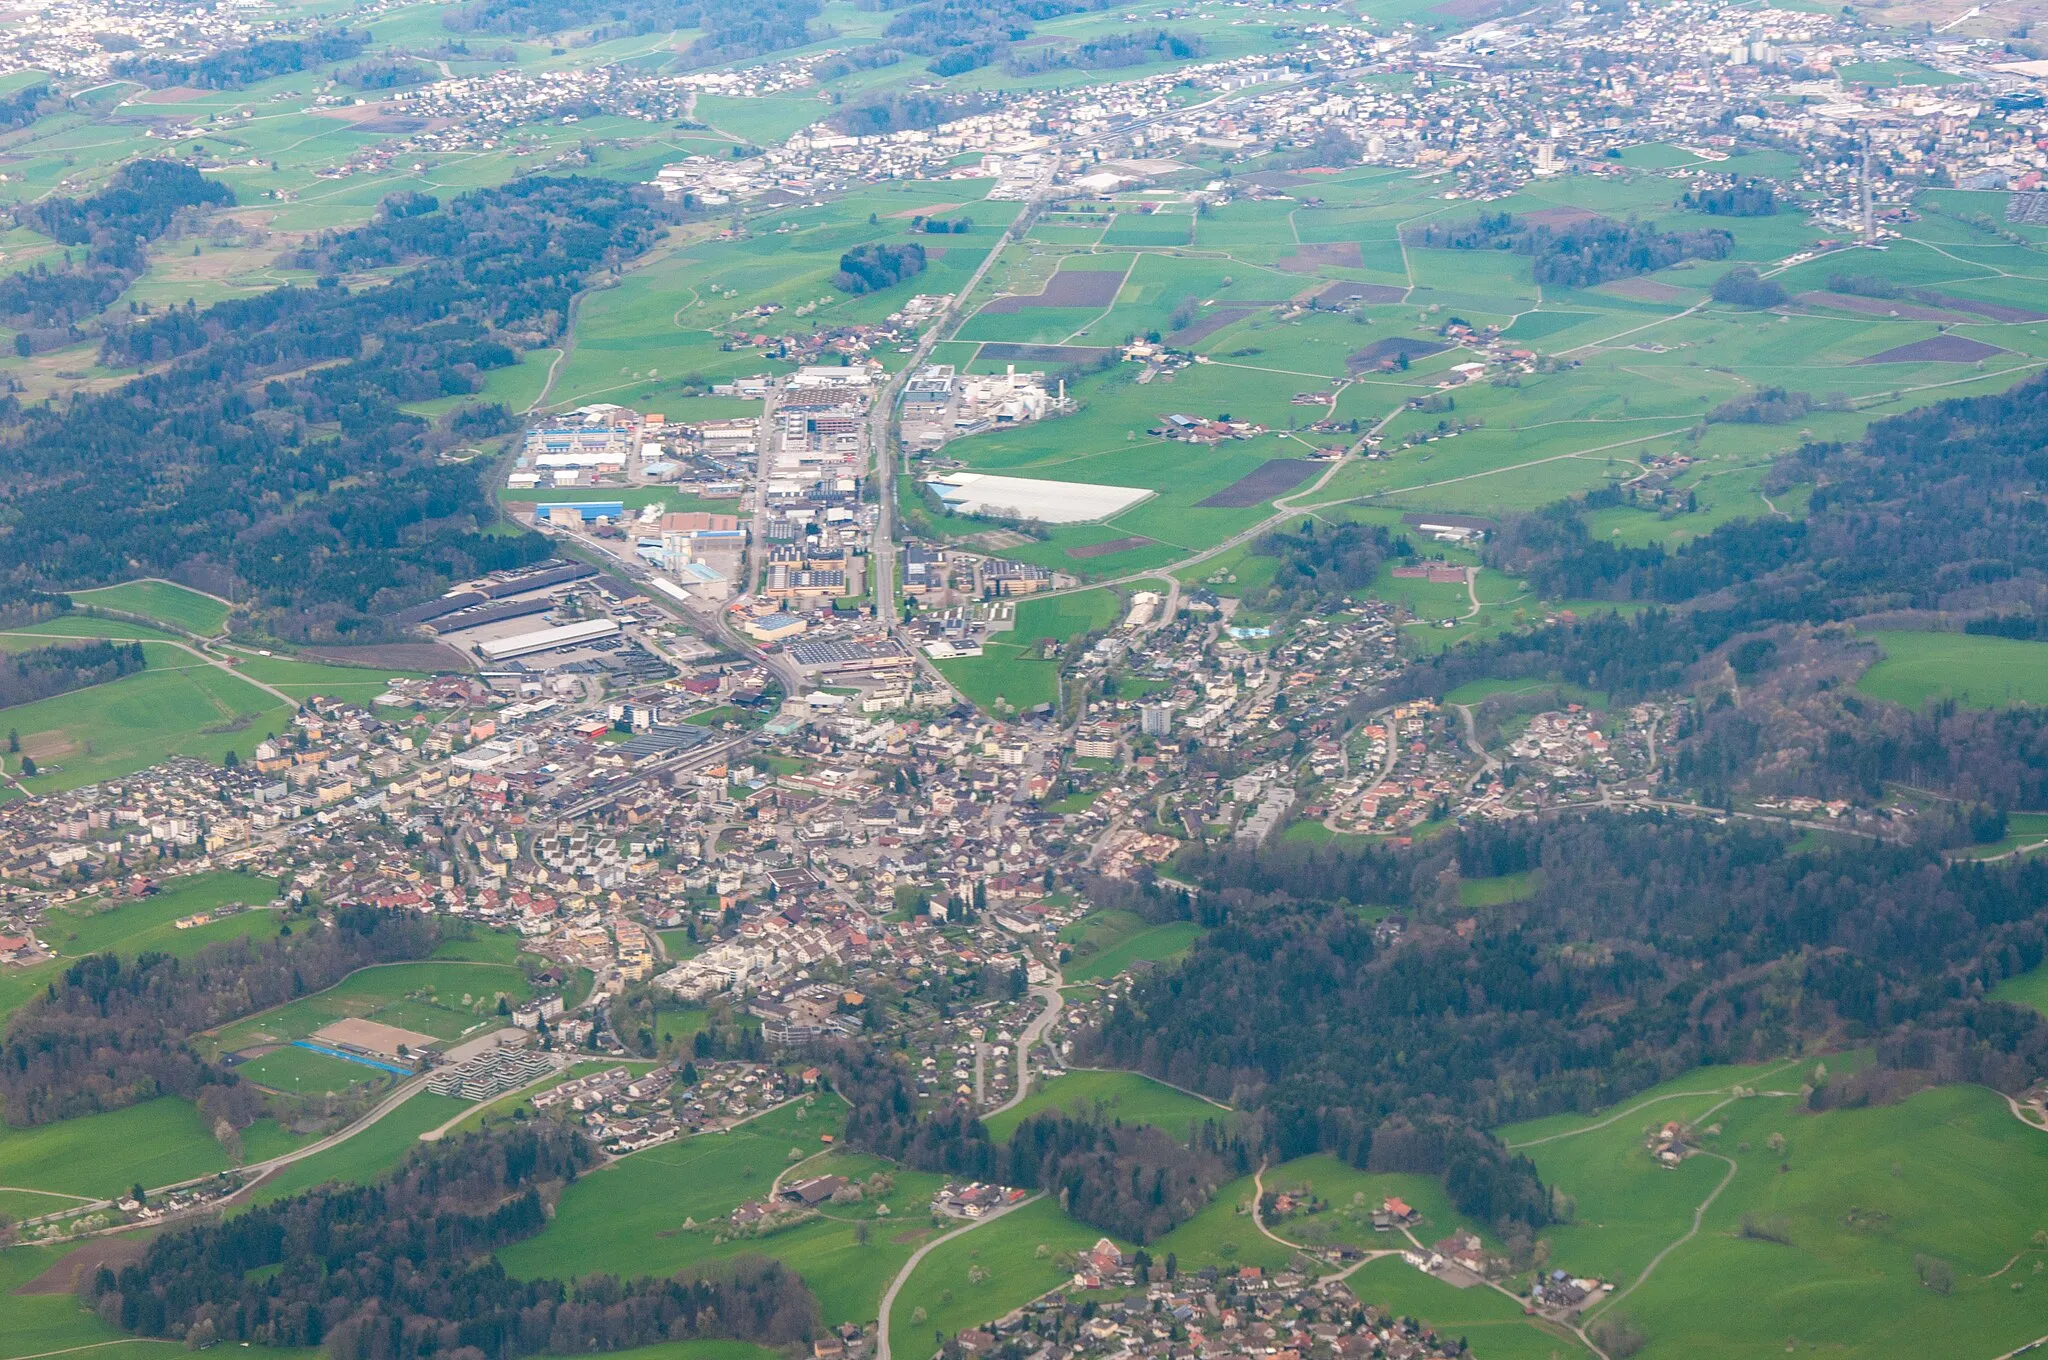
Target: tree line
[(403, 1270), (237, 67), (41, 672), (112, 1032)]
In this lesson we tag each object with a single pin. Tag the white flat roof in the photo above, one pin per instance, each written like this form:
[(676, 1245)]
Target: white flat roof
[(978, 493), (543, 639)]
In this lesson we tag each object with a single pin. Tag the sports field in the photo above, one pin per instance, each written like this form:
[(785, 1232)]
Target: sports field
[(1975, 672), (446, 998), (1015, 671), (301, 1071)]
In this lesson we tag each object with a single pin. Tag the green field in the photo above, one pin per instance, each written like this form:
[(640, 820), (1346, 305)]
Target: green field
[(658, 1211), (157, 1142), (183, 609), (149, 923), (1107, 943), (306, 679), (180, 705), (2025, 989), (1012, 670), (1975, 672), (1125, 1097), (1858, 1194), (1020, 1254), (1496, 892), (367, 1155)]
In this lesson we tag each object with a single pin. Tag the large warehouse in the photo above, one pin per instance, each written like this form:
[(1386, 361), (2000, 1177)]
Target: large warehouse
[(546, 639)]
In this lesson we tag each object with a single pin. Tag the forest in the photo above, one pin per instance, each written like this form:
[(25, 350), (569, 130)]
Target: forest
[(402, 1270), (1666, 943), (1583, 253), (111, 1033), (1320, 565), (268, 452), (895, 111), (871, 268), (20, 604), (39, 672), (241, 66), (965, 35), (1744, 287), (1771, 406), (24, 106)]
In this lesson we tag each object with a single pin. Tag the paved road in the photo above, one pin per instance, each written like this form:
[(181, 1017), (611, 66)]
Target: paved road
[(896, 1285), (1049, 993)]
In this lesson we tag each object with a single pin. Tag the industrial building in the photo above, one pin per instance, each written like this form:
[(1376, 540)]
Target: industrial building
[(546, 639)]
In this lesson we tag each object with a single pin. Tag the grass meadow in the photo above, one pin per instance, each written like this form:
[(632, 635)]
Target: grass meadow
[(982, 1274), (182, 608), (179, 705), (659, 1210), (1104, 1096), (1975, 672), (1850, 1199), (1013, 670), (1106, 943), (89, 926)]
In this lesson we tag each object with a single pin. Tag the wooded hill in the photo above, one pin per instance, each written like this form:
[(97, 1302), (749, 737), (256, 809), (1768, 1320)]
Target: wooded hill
[(268, 453)]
